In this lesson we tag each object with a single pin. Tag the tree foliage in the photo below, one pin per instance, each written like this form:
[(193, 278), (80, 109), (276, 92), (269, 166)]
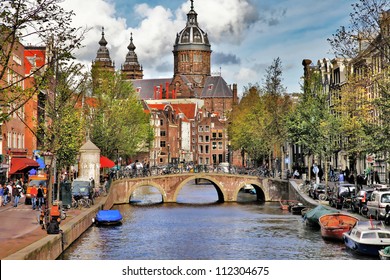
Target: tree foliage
[(63, 128), (311, 123), (42, 22), (258, 122), (117, 122), (364, 28)]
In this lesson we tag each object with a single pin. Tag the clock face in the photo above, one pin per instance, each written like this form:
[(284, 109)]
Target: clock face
[(198, 79)]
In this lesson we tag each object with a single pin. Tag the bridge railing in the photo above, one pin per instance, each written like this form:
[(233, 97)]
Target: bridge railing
[(188, 168)]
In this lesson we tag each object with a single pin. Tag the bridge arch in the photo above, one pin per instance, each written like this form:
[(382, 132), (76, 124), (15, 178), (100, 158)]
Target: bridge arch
[(260, 190), (145, 184), (218, 187)]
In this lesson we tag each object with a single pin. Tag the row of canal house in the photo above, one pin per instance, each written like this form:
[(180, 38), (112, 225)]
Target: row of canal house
[(18, 142)]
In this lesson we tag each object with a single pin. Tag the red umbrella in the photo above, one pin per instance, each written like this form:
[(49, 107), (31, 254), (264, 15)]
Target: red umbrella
[(106, 162)]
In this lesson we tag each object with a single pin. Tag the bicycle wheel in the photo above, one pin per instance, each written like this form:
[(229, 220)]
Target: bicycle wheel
[(322, 197)]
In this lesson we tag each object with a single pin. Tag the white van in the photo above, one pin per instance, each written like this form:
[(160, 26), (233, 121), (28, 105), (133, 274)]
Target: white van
[(377, 204)]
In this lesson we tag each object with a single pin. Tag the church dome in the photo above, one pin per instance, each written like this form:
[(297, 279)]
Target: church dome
[(192, 37)]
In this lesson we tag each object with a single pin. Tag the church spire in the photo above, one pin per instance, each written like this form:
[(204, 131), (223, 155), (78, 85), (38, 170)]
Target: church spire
[(103, 59), (131, 68)]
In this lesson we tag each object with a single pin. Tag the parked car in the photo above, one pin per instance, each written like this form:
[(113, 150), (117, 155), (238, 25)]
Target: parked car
[(316, 189), (342, 195), (376, 206), (360, 200), (83, 188)]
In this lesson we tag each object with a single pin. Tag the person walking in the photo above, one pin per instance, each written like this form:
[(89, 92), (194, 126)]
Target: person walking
[(9, 187), (1, 196), (15, 194), (40, 196), (34, 193), (5, 195)]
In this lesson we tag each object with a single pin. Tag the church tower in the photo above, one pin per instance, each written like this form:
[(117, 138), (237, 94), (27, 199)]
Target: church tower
[(192, 55), (103, 60), (102, 63), (131, 69)]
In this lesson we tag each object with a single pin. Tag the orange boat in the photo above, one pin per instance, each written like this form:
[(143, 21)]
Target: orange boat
[(286, 204), (334, 225)]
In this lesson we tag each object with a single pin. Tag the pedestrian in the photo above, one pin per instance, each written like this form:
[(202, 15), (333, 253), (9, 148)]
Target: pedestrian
[(376, 177), (40, 196), (15, 194), (9, 187), (1, 195), (296, 174), (6, 194), (34, 193)]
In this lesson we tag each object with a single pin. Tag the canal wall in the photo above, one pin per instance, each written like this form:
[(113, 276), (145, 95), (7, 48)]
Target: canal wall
[(51, 246)]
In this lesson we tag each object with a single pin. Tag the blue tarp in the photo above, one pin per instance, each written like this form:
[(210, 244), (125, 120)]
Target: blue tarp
[(108, 216)]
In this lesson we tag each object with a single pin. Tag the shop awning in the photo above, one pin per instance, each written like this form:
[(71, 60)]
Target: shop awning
[(106, 162), (22, 164)]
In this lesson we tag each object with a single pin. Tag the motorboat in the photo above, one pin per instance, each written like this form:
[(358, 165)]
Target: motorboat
[(311, 218), (334, 225), (297, 208), (367, 237), (108, 217)]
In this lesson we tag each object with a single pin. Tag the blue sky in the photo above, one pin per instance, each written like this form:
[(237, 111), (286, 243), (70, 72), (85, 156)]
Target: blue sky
[(245, 35)]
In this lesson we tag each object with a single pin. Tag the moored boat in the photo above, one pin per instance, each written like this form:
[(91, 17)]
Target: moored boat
[(384, 254), (285, 203), (367, 238), (334, 225), (296, 209), (108, 217), (312, 217)]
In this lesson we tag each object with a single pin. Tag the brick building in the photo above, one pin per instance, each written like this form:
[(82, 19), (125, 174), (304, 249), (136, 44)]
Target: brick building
[(168, 100)]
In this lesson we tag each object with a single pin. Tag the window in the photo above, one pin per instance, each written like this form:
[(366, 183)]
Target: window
[(200, 138), (200, 128), (214, 145), (214, 135), (162, 133), (369, 235), (201, 149), (220, 134), (207, 149), (207, 138), (162, 144), (161, 122), (220, 145), (207, 128)]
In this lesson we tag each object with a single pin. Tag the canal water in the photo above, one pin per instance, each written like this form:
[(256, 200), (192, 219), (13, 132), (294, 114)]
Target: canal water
[(198, 228)]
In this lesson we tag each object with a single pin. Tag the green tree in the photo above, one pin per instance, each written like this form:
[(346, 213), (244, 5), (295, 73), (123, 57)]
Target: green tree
[(117, 122), (247, 125), (311, 123), (42, 22), (276, 104)]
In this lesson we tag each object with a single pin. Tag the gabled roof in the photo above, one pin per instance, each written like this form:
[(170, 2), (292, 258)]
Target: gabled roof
[(145, 87), (215, 86), (188, 109)]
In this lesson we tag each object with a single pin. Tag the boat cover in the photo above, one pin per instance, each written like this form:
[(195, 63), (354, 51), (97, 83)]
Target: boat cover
[(387, 250), (108, 216), (314, 214)]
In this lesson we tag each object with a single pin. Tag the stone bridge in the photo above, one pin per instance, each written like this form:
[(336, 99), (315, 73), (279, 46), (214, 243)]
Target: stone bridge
[(226, 185)]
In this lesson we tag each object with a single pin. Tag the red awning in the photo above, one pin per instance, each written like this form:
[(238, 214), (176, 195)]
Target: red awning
[(106, 162), (22, 164)]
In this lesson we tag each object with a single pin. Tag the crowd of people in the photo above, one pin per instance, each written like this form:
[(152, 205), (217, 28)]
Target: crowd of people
[(12, 191)]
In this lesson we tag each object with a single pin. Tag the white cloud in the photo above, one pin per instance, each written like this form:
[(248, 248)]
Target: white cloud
[(250, 33)]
